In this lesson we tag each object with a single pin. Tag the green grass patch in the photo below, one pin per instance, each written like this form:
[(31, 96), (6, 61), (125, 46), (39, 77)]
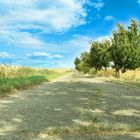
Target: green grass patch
[(54, 75), (132, 83), (13, 78), (135, 84), (87, 130), (9, 85)]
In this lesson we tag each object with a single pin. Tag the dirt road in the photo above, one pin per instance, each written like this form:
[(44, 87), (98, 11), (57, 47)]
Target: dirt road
[(68, 103)]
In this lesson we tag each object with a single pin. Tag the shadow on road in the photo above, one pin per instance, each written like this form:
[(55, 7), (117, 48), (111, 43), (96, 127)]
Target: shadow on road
[(70, 104)]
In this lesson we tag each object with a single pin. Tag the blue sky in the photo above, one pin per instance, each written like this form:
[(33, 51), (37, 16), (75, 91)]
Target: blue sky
[(51, 33)]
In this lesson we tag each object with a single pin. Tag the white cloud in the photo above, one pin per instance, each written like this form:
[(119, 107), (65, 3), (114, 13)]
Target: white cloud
[(98, 5), (138, 1), (50, 15), (18, 16), (5, 55), (42, 55), (79, 40), (20, 39), (17, 2), (48, 57), (102, 38), (108, 18), (57, 56)]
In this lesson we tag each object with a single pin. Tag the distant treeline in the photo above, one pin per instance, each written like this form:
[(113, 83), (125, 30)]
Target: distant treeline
[(121, 51)]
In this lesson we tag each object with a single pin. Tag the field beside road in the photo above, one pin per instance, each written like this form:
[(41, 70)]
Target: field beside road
[(14, 78)]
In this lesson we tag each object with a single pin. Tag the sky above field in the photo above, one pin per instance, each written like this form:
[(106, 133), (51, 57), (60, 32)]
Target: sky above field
[(51, 33)]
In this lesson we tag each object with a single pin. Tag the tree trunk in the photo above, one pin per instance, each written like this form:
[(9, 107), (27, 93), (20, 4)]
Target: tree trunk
[(134, 74), (96, 70), (105, 68), (118, 73)]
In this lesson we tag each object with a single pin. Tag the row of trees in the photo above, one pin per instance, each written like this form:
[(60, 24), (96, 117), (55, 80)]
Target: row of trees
[(122, 51)]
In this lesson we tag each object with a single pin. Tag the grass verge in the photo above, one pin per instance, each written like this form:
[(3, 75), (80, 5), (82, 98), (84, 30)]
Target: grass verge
[(131, 78), (20, 78), (9, 85), (87, 130)]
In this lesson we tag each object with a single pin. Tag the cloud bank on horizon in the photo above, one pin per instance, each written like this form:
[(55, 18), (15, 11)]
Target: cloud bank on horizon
[(51, 33)]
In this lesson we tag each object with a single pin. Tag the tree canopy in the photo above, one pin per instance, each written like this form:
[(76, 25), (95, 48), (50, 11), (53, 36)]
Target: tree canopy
[(122, 50)]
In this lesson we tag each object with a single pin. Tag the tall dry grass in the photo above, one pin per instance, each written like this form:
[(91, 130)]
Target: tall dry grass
[(14, 78), (7, 71), (128, 75)]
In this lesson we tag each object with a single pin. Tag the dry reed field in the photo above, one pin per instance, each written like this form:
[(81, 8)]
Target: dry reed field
[(13, 78)]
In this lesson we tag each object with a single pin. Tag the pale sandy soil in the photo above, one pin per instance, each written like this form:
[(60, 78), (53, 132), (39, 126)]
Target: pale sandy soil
[(68, 103)]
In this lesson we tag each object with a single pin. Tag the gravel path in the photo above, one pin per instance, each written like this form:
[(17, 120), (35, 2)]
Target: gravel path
[(65, 103)]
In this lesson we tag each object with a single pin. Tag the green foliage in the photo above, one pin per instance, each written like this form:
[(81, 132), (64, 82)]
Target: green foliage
[(125, 47), (95, 55), (123, 51), (83, 63), (105, 54), (133, 59), (77, 63), (9, 85), (99, 55), (120, 48)]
